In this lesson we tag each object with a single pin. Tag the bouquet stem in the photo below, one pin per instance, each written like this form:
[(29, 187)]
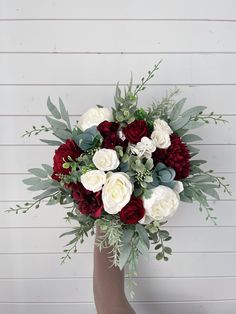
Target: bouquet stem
[(108, 284)]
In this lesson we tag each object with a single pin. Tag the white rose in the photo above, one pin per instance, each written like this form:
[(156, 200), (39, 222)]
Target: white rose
[(94, 116), (93, 180), (162, 204), (106, 159), (160, 138), (144, 148), (116, 192), (178, 186), (162, 124)]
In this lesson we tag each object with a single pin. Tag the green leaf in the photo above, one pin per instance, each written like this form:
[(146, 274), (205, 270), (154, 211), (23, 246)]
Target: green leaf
[(43, 185), (177, 109), (51, 142), (125, 251), (197, 162), (194, 124), (191, 138), (38, 172), (62, 134), (69, 232), (53, 109), (194, 111), (212, 193), (179, 123), (48, 168), (127, 236), (143, 234), (168, 250), (141, 246), (55, 124), (159, 256), (64, 113), (46, 193), (31, 181)]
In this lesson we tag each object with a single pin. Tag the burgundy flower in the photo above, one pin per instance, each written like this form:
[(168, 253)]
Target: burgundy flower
[(89, 203), (135, 131), (61, 156), (133, 211), (175, 156), (109, 130)]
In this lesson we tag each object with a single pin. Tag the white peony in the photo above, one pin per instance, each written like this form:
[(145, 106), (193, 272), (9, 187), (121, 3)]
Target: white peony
[(93, 180), (116, 192), (162, 124), (161, 139), (94, 116), (144, 148), (162, 204), (106, 159)]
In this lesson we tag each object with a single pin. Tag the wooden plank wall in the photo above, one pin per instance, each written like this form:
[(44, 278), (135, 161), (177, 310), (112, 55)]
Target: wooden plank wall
[(78, 50)]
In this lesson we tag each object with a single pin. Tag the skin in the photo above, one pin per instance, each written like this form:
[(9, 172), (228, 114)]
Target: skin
[(108, 285)]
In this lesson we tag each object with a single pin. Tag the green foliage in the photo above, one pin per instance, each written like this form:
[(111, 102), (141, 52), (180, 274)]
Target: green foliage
[(88, 139), (163, 175)]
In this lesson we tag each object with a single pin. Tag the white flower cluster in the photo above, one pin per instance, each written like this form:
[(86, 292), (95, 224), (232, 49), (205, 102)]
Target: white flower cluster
[(116, 186)]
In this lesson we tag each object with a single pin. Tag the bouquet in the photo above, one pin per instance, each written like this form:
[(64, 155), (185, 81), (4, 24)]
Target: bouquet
[(124, 170)]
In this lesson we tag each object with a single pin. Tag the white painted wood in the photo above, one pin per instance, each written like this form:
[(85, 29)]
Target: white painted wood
[(80, 36), (206, 307), (29, 266), (13, 182), (18, 159), (185, 239), (15, 127), (109, 69), (105, 9), (52, 216), (195, 39), (77, 290), (31, 100)]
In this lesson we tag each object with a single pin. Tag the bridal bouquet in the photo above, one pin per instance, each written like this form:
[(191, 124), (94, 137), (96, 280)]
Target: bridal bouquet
[(124, 170)]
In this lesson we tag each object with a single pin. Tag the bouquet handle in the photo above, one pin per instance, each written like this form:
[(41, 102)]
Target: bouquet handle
[(108, 284)]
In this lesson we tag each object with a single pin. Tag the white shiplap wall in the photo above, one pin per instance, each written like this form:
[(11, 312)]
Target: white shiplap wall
[(79, 50)]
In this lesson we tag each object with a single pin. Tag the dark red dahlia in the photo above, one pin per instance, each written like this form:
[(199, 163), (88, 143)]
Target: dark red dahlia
[(61, 156), (89, 203), (175, 156), (109, 131), (133, 211), (135, 130)]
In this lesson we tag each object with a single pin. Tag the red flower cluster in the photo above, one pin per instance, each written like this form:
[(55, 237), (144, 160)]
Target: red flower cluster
[(175, 156), (135, 131), (89, 203), (109, 130), (61, 156), (133, 211)]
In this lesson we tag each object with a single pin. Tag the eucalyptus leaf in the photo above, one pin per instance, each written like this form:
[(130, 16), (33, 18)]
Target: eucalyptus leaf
[(62, 134), (179, 123), (194, 124), (125, 251), (31, 181), (56, 124), (212, 192), (38, 172), (177, 109), (48, 168), (51, 142), (194, 111), (46, 193), (143, 234), (53, 109), (43, 185), (191, 138), (64, 113)]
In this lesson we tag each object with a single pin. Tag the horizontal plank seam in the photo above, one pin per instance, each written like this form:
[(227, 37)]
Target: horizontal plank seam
[(121, 84), (91, 252), (136, 277), (133, 302), (118, 19), (120, 52)]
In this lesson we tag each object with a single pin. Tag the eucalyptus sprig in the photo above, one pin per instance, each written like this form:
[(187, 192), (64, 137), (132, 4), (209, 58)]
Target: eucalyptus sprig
[(144, 80), (36, 130)]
